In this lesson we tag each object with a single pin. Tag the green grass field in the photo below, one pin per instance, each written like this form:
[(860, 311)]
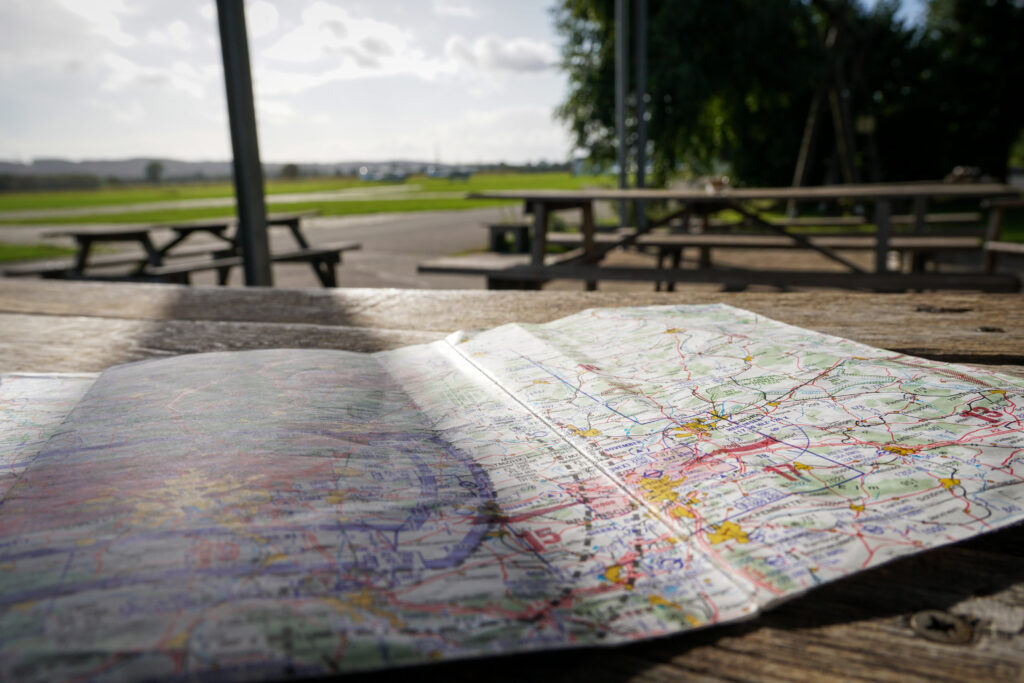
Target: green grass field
[(118, 196), (345, 208), (24, 252)]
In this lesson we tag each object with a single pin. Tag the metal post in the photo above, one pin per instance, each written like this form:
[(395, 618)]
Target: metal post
[(252, 210), (621, 88), (641, 122)]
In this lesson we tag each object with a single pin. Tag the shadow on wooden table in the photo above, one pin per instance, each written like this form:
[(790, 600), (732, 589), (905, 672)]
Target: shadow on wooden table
[(852, 629), (203, 319)]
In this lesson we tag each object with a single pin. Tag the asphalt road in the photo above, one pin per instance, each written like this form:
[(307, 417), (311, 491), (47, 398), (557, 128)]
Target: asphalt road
[(393, 244)]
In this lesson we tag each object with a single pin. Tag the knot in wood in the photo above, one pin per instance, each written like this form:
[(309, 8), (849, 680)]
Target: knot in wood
[(941, 627)]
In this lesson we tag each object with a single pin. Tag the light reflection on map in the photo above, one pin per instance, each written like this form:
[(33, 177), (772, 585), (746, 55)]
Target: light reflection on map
[(614, 475)]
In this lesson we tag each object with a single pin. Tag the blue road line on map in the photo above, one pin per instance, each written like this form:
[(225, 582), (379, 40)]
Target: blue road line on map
[(827, 487), (581, 391)]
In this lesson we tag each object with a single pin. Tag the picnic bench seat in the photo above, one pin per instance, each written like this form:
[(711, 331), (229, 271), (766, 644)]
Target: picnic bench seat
[(669, 243), (514, 271), (65, 267), (994, 246), (900, 219), (504, 271), (324, 260)]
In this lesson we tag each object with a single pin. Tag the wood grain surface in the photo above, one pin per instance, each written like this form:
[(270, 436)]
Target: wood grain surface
[(153, 320), (857, 629)]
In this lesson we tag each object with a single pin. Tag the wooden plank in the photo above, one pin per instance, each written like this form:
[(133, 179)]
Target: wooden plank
[(740, 277), (34, 343), (745, 241), (868, 191), (503, 267), (1005, 247), (574, 239), (850, 242), (126, 233), (955, 326), (938, 218)]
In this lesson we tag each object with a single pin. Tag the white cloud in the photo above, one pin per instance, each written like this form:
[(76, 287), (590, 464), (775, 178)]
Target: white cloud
[(502, 54), (332, 44), (125, 112), (513, 133), (328, 32), (261, 18), (454, 8), (103, 18), (274, 112), (124, 74), (177, 34), (43, 36), (135, 77)]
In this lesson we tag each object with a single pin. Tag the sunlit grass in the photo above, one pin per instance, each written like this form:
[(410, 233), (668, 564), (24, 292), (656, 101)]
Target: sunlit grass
[(25, 252), (343, 208), (119, 196)]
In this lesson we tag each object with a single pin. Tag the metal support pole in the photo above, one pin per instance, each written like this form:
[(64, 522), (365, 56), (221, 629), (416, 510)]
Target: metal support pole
[(621, 88), (641, 109), (252, 210)]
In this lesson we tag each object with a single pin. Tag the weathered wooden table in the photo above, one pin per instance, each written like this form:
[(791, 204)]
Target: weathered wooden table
[(542, 203), (955, 613)]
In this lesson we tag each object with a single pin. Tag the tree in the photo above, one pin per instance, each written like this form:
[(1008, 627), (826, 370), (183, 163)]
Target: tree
[(728, 82), (731, 83), (290, 172), (154, 172), (979, 67)]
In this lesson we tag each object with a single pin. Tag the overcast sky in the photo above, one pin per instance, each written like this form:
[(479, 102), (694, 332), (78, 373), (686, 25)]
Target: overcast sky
[(465, 80)]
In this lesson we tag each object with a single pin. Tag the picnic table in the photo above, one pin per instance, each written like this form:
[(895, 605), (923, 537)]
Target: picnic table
[(703, 203), (86, 237), (163, 261), (954, 613)]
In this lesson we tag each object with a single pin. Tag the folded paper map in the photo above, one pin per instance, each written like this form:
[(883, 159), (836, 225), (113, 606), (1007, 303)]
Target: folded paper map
[(615, 475)]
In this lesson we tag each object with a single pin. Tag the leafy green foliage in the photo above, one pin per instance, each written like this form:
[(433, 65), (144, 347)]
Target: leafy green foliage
[(724, 81), (731, 82), (154, 172)]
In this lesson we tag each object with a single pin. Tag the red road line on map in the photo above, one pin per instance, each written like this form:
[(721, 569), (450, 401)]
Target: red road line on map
[(744, 449)]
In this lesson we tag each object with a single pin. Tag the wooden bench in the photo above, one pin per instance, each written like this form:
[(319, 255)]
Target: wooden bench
[(700, 223), (514, 271), (324, 261), (64, 268), (921, 248), (994, 247)]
